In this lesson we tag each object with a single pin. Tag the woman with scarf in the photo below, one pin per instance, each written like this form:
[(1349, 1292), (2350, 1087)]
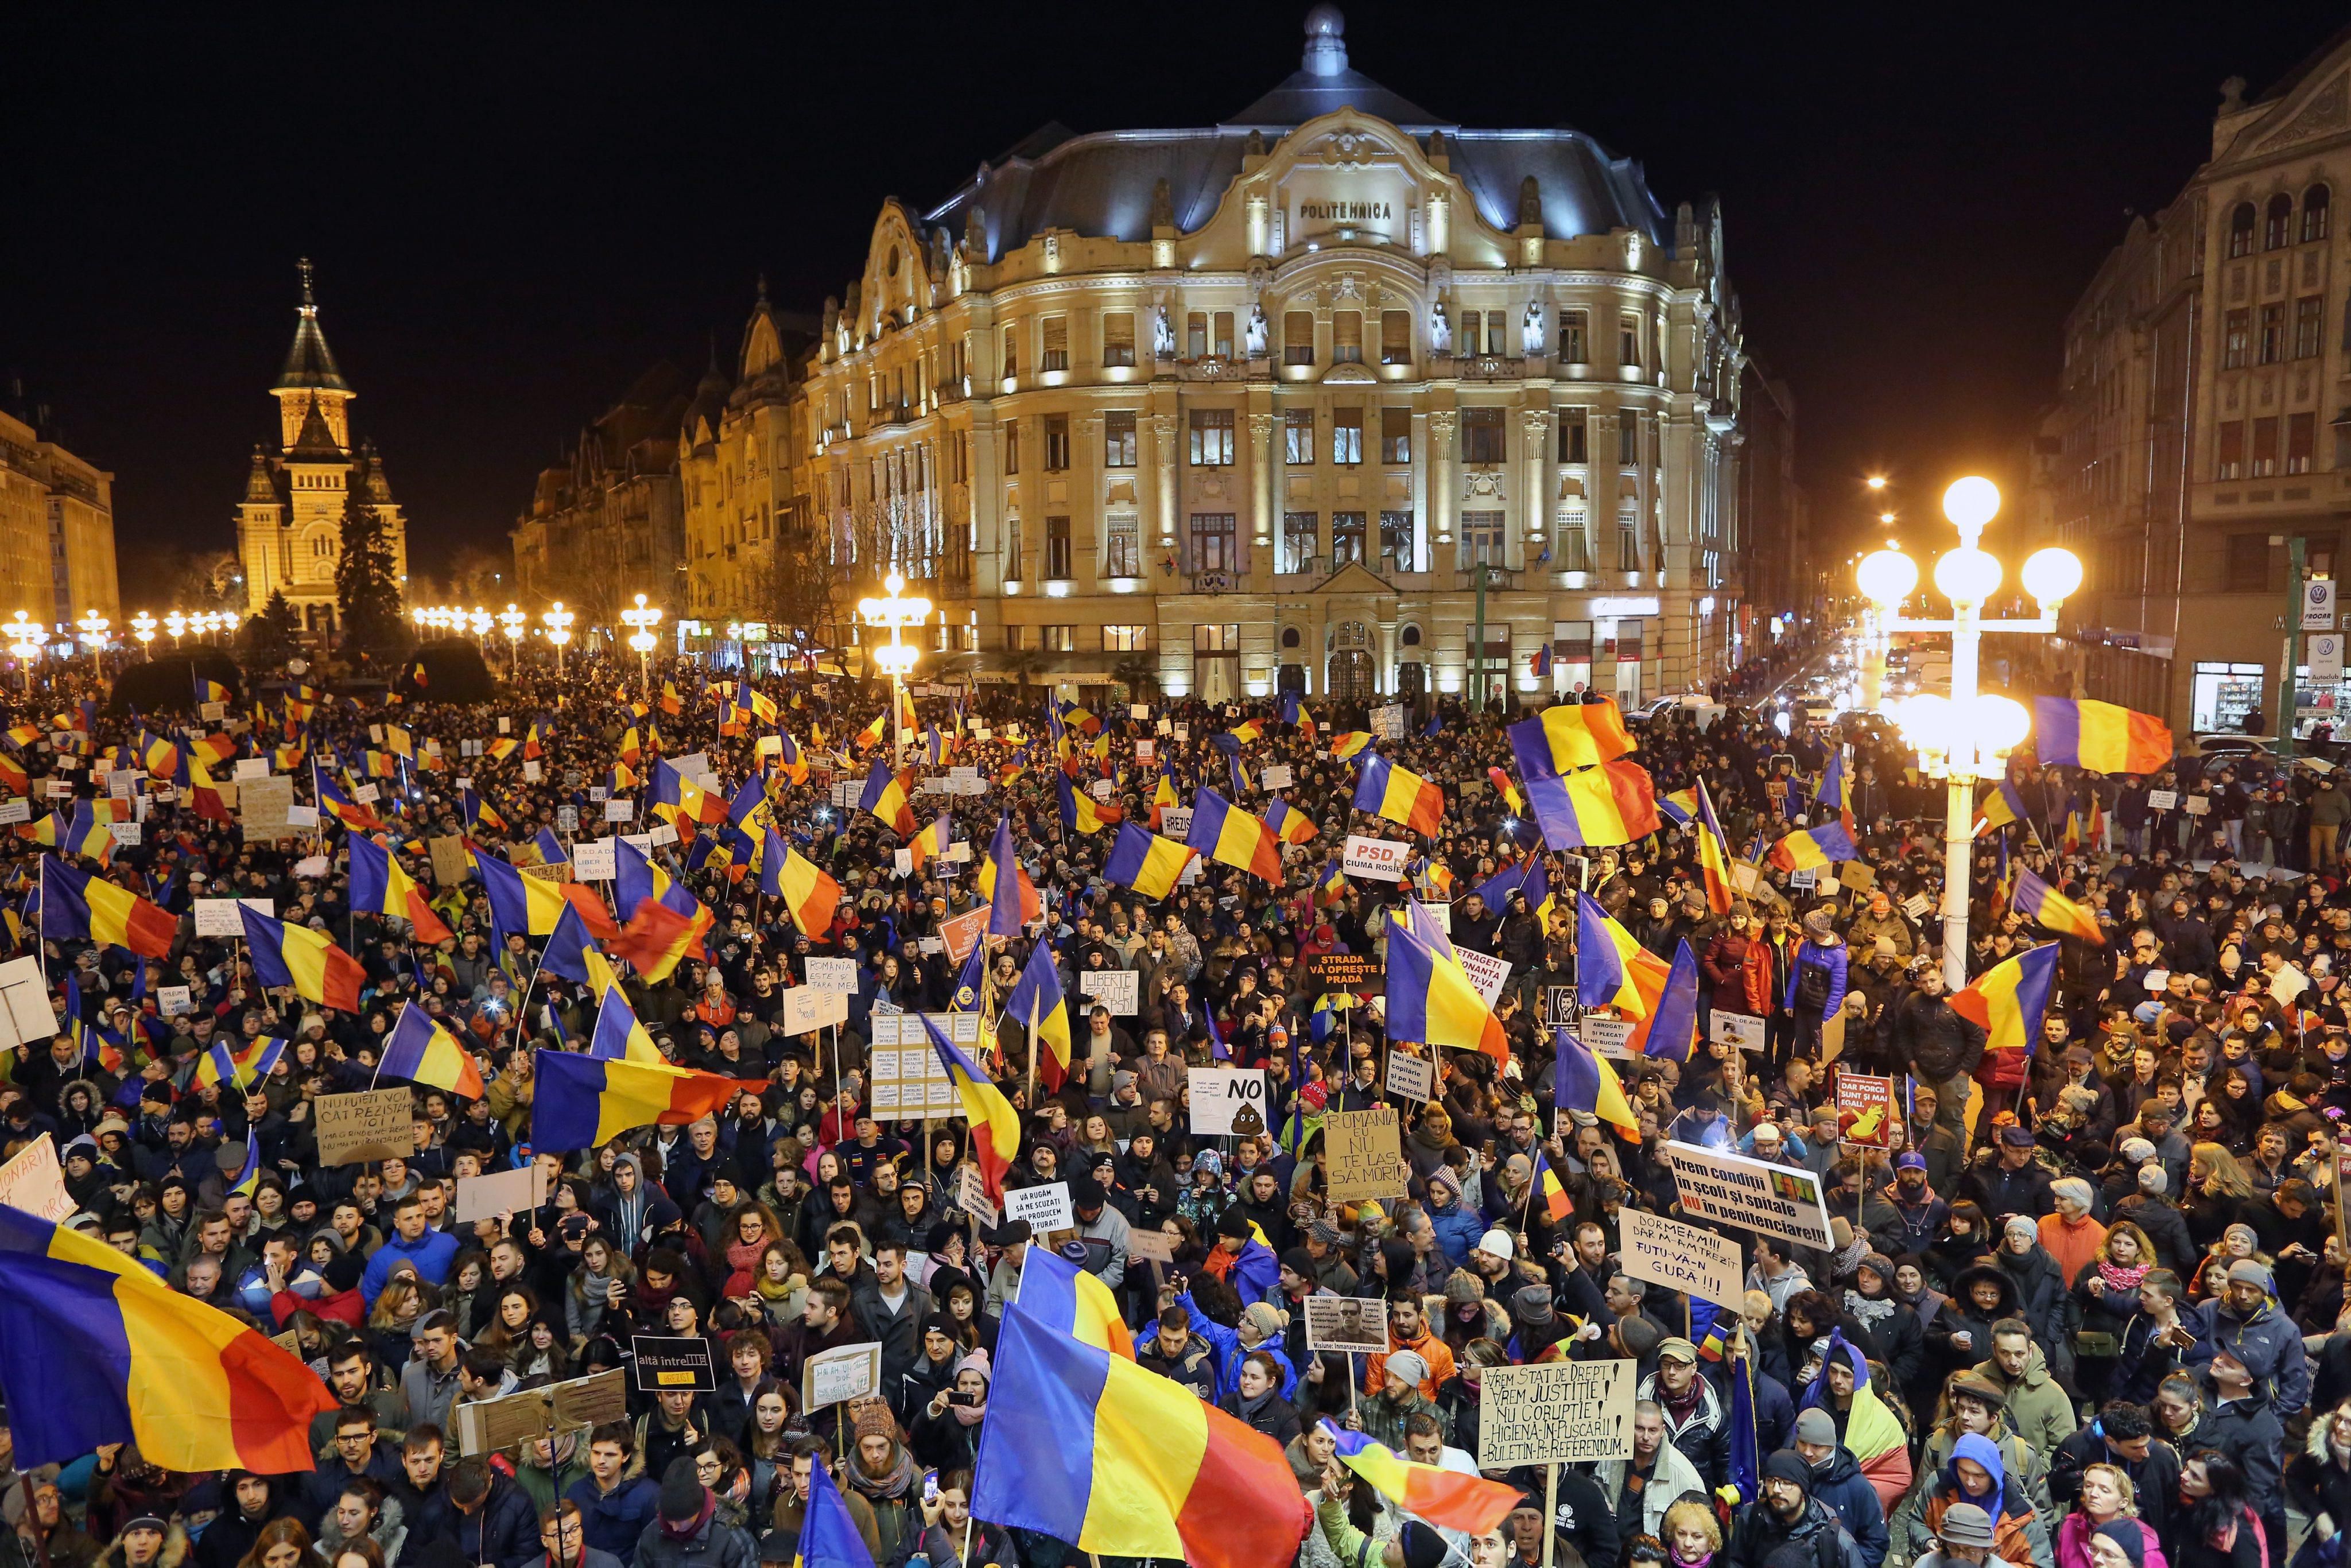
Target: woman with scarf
[(1891, 1335), (603, 1281), (2108, 1503), (945, 1432), (1977, 1474), (1966, 1241), (745, 1233), (2041, 1296), (2122, 1260), (949, 1532), (1257, 1400), (2213, 1527), (884, 1472)]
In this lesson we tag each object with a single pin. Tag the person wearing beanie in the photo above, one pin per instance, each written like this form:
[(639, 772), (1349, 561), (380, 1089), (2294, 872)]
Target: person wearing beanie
[(686, 1531), (1787, 1515), (1408, 1330), (1102, 1228), (1816, 984), (1837, 1481), (1243, 1261), (2070, 1236), (1405, 1375)]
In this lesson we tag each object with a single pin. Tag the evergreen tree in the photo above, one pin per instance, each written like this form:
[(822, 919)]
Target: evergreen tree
[(365, 588), (273, 637)]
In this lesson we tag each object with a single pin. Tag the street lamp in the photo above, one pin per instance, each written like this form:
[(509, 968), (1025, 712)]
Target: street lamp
[(142, 626), (24, 639), (512, 621), (895, 656), (93, 631), (557, 623), (482, 620), (1964, 737), (175, 623), (642, 619)]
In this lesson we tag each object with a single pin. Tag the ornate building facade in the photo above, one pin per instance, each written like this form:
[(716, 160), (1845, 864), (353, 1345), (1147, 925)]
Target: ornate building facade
[(57, 528), (290, 522), (605, 524), (2203, 421), (1290, 402)]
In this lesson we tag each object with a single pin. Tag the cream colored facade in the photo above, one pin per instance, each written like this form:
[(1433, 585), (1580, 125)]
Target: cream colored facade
[(57, 531), (740, 457), (290, 521), (1258, 402)]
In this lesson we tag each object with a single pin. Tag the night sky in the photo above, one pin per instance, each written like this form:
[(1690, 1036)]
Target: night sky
[(512, 217)]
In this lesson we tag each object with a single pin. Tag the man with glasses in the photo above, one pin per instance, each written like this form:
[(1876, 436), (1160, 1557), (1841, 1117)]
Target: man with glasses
[(357, 1453)]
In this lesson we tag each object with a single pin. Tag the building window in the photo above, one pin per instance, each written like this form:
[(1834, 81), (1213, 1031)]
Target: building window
[(2236, 339), (1347, 435), (2277, 222), (1224, 639), (1224, 334), (1195, 335), (2249, 563), (1396, 436), (2221, 696), (1012, 446), (2314, 214), (2266, 446), (1628, 536), (2241, 230), (1465, 340), (2230, 462), (1212, 437), (1481, 539), (1059, 639), (1011, 352), (1297, 337), (1057, 548), (1346, 538), (1628, 439), (2301, 440), (1573, 437), (1573, 555), (1013, 556), (1395, 541), (1014, 638), (1482, 436), (1126, 639), (1628, 340), (1118, 439), (1056, 443), (2309, 324), (1498, 341), (1395, 336), (1575, 327), (1118, 338), (1297, 436), (1057, 344), (1299, 540), (1124, 547), (1215, 542), (2273, 338), (1347, 337)]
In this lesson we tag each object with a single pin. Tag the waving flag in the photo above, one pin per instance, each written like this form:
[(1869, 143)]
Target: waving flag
[(890, 796), (1224, 833), (2008, 1000), (1399, 795), (379, 886), (583, 1100), (1507, 790), (1557, 1205), (617, 1035), (296, 955), (220, 1065), (658, 936), (1613, 803), (1713, 855), (1163, 797), (1471, 1504), (2099, 736), (1289, 824), (930, 843), (346, 810), (1813, 848), (1081, 812), (995, 1126), (1037, 1003), (76, 905), (1567, 737), (1068, 1300), (1330, 889), (1671, 1031), (521, 905), (421, 1051), (680, 800), (1008, 890), (1147, 863), (1612, 969), (789, 758), (1344, 747), (2036, 900), (1430, 996), (1583, 1081), (829, 1536), (808, 893)]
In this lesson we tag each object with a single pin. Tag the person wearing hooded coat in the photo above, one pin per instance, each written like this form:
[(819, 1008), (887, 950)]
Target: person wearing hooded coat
[(1762, 1535), (2043, 1299), (2020, 1534), (234, 1530), (635, 1217), (1890, 1333), (1981, 1297)]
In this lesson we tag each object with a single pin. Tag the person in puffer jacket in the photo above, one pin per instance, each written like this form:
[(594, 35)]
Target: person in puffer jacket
[(1815, 981)]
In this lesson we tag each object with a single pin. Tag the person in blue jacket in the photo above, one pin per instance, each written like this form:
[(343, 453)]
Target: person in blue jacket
[(1261, 1327), (1815, 981), (616, 1499), (1458, 1226), (1243, 1261)]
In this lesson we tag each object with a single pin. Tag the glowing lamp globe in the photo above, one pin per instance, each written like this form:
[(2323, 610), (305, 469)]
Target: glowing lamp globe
[(1967, 575), (2051, 576), (1886, 577), (1925, 722), (1971, 502), (1999, 725)]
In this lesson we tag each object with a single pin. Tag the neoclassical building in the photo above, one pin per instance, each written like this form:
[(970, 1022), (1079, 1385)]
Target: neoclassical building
[(289, 524)]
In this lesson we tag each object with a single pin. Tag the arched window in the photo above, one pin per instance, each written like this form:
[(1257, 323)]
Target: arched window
[(1410, 637), (2241, 229), (323, 544), (1289, 638), (2314, 214), (2277, 222)]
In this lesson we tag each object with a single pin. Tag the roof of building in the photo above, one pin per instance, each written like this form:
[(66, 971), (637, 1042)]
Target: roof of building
[(316, 442), (1101, 183), (309, 363), (259, 486)]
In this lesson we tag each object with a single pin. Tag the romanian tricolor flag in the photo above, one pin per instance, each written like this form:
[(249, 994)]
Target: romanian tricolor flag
[(2100, 736), (2036, 900), (1163, 796), (1063, 1297), (522, 906), (2008, 1000), (220, 1065), (890, 796), (1224, 833), (788, 759), (1671, 1028), (1507, 790), (871, 735), (1872, 1432), (906, 714), (346, 810), (1836, 790), (1037, 1003), (1677, 808), (1081, 812), (1343, 747), (1582, 1079), (420, 1050), (1147, 863), (1713, 855), (632, 748), (1083, 1445), (1444, 1498), (298, 956), (930, 843), (1008, 907), (160, 758), (76, 903), (995, 1126), (1400, 795), (210, 691), (678, 798), (581, 1102), (1612, 969), (658, 936), (1289, 824), (2002, 806), (809, 894), (478, 813), (1430, 996), (13, 776), (670, 701), (1813, 848), (1331, 889), (1568, 736), (619, 1036), (1245, 733), (1613, 803), (503, 747), (99, 1350), (1556, 1204)]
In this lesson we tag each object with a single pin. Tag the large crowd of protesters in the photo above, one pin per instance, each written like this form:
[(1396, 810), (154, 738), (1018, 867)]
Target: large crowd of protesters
[(2097, 1285)]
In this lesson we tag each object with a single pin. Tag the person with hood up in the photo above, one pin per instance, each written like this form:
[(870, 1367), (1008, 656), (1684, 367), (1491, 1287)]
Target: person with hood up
[(1458, 1226), (364, 1511), (252, 1500), (1837, 1481), (1975, 1474), (1816, 980), (633, 1211), (1976, 1406), (1890, 1332), (1787, 1516), (2039, 1406), (1244, 1262)]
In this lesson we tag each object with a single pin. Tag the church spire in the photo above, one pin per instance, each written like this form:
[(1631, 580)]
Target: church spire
[(308, 363)]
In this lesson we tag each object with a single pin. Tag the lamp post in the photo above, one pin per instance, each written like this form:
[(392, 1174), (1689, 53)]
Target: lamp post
[(641, 622), (142, 626), (24, 639), (511, 620), (896, 656), (1964, 737), (94, 636), (557, 623), (175, 623)]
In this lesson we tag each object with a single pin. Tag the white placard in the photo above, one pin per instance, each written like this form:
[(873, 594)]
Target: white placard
[(218, 916), (15, 811), (506, 726), (1099, 790), (1277, 776), (1410, 1077), (1744, 1030), (302, 816), (1138, 710), (175, 1001), (1780, 1201), (838, 1375), (1117, 990), (1046, 1208), (1681, 1258), (34, 1183), (24, 1012), (1351, 1323), (1804, 880), (1917, 906), (2197, 805), (127, 834), (367, 794), (1228, 1100), (252, 768), (592, 860), (310, 865), (662, 835), (1606, 1036), (124, 781), (1382, 860), (2326, 657), (516, 1191), (59, 789), (619, 808), (532, 772), (1175, 822), (2317, 604), (1147, 749), (1555, 1412), (808, 1007), (1488, 973), (2163, 799), (833, 974)]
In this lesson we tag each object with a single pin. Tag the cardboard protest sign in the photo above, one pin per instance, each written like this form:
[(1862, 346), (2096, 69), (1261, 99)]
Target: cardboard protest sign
[(1555, 1413), (1364, 1155), (371, 1124), (1681, 1258)]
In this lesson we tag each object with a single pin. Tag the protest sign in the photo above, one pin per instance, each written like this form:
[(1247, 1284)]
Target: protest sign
[(665, 1365), (218, 916), (1387, 721), (833, 974), (371, 1124), (1864, 1109), (963, 933), (24, 1012), (1382, 860), (34, 1183), (904, 1074), (1780, 1201), (451, 866), (1045, 1207), (1277, 776), (1346, 1324), (1555, 1413), (15, 811), (1228, 1100), (1357, 972), (175, 1001), (518, 1191), (1486, 972), (1363, 1156), (811, 1007), (486, 1425), (1606, 1036), (262, 807), (593, 860), (1410, 1077), (619, 808), (1120, 991), (838, 1375), (1151, 1246), (1175, 822), (1681, 1258), (1744, 1030)]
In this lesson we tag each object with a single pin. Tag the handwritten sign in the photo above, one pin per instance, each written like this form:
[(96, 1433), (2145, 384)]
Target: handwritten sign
[(1486, 972), (372, 1124), (1363, 1154), (1046, 1207), (516, 1191), (808, 1009), (1277, 776), (1681, 1258), (1410, 1077), (34, 1183), (592, 860), (833, 974), (1228, 1100), (1117, 990), (838, 1375), (1733, 1190), (218, 916), (1555, 1413)]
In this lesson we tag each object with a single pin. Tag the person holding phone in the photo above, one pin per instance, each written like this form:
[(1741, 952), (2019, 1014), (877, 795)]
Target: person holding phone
[(939, 1543)]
